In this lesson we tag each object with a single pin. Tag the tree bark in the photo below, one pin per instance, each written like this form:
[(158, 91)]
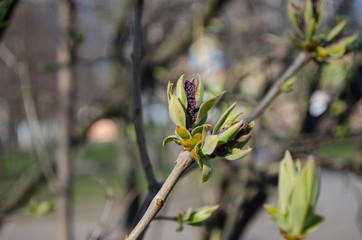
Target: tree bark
[(64, 94)]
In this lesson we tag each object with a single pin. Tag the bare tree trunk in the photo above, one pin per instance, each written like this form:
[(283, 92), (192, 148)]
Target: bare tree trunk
[(64, 94)]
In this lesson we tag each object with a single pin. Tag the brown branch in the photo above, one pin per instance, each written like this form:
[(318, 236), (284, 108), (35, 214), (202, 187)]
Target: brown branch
[(183, 161), (274, 91), (65, 87), (136, 95)]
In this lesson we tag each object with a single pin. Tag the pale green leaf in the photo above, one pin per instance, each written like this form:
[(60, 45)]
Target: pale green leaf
[(223, 118), (347, 40), (206, 106), (209, 144), (271, 210), (229, 133), (176, 111), (183, 132), (199, 91), (169, 91), (297, 218), (308, 19), (287, 172), (180, 92), (229, 120), (205, 131), (312, 224), (206, 170), (169, 139), (335, 50), (292, 17), (197, 130), (288, 83), (309, 29), (238, 154), (334, 32), (201, 214)]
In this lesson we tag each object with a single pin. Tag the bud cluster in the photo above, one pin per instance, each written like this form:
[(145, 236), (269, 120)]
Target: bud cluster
[(298, 194), (188, 111), (332, 43)]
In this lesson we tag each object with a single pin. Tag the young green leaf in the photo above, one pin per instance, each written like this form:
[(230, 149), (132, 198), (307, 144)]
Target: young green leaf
[(309, 29), (238, 154), (201, 214), (334, 32), (169, 91), (206, 106), (229, 120), (206, 170), (176, 111), (308, 19), (223, 118), (183, 132), (228, 133), (199, 92), (205, 131), (312, 224), (40, 208), (209, 144), (180, 92), (293, 18), (198, 129), (169, 139), (287, 172), (288, 83)]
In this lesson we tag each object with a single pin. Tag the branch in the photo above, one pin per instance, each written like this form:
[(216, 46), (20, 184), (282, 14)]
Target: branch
[(167, 218), (21, 191), (106, 212), (183, 161), (174, 44), (274, 91), (65, 55), (31, 114), (8, 15), (136, 95)]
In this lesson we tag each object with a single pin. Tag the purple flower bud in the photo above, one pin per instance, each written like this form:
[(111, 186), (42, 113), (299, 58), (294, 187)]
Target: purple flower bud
[(190, 90)]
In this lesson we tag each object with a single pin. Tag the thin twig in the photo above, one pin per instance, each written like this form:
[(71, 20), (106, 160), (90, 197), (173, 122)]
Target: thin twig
[(167, 218), (136, 95), (31, 114), (273, 92), (183, 161), (106, 212)]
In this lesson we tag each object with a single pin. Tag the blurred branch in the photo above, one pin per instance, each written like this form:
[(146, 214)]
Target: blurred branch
[(106, 212), (274, 91), (136, 95), (8, 15), (174, 44), (183, 161), (21, 191), (65, 55), (31, 114)]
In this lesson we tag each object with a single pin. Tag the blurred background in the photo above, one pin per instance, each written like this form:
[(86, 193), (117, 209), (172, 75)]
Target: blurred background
[(238, 46)]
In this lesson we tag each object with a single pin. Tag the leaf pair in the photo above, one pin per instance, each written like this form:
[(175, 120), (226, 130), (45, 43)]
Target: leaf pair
[(196, 217)]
